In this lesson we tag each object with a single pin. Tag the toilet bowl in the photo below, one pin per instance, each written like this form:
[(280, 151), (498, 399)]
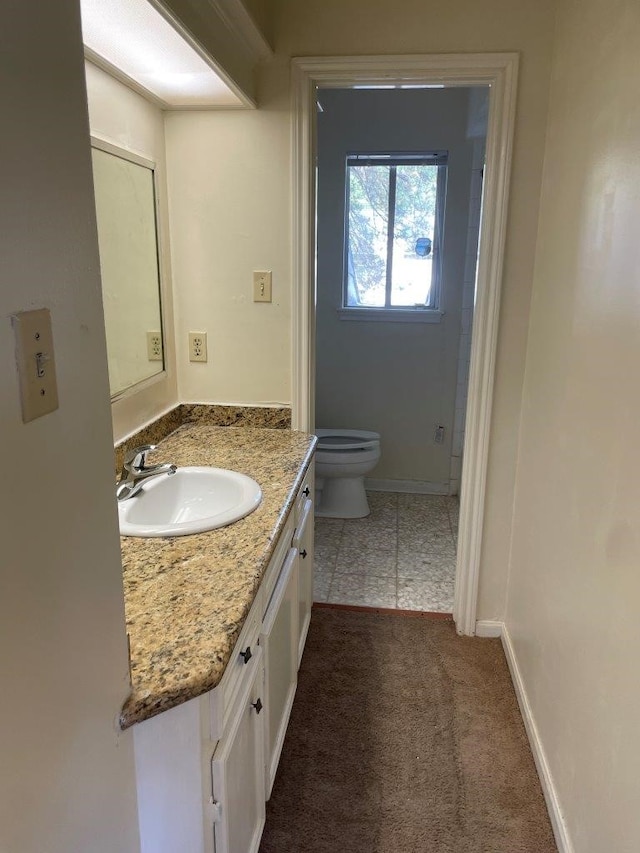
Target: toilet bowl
[(343, 458)]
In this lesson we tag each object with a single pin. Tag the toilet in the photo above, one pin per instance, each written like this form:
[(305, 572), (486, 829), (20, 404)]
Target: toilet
[(343, 458)]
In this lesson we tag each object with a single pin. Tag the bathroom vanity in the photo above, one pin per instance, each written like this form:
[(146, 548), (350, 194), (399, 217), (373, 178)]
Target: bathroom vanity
[(217, 624)]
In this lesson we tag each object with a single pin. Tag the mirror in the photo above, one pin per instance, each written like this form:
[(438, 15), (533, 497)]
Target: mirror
[(124, 186)]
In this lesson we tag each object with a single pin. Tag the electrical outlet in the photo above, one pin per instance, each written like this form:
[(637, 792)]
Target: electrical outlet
[(262, 286), (197, 346), (154, 346), (438, 435)]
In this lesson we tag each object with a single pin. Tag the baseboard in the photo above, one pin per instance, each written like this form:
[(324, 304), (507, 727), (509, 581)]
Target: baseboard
[(489, 628), (409, 487), (546, 780)]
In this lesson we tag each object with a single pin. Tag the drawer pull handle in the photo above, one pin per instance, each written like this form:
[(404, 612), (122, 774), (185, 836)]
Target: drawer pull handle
[(257, 705), (303, 553), (305, 491), (246, 655)]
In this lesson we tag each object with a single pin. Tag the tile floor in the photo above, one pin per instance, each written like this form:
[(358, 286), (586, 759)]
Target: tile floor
[(401, 556)]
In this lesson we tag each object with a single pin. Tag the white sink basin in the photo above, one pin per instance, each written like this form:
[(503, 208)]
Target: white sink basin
[(190, 501)]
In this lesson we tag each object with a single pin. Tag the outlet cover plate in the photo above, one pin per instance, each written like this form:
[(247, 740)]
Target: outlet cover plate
[(154, 346), (197, 346)]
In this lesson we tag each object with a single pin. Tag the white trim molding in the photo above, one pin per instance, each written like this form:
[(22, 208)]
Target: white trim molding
[(408, 487), (227, 38), (390, 315), (489, 628), (558, 823), (240, 22), (499, 72)]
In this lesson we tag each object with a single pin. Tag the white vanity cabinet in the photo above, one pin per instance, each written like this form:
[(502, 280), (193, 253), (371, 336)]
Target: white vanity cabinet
[(236, 718), (200, 766), (205, 768), (279, 639), (237, 773), (285, 624), (303, 542)]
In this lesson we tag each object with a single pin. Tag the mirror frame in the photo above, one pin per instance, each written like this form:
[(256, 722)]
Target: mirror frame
[(133, 157)]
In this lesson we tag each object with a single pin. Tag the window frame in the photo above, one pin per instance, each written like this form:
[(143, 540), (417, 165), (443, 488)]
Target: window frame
[(431, 310)]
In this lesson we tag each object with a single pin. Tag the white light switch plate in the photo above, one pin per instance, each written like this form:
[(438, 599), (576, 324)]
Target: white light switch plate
[(36, 363)]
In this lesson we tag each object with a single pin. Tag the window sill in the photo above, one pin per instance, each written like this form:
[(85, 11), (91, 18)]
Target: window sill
[(392, 315)]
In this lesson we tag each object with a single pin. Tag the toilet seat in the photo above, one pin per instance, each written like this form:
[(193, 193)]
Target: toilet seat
[(351, 440), (344, 457)]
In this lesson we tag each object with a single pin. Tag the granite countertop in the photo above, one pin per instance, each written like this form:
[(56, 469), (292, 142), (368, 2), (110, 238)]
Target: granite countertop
[(187, 597)]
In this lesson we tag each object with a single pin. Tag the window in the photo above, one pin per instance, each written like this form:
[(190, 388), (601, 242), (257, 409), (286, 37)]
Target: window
[(394, 217)]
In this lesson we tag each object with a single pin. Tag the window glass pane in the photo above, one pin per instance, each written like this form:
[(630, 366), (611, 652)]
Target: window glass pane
[(367, 244), (415, 213)]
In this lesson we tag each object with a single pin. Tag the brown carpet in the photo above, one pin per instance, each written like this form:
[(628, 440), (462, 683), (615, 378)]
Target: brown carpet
[(404, 738)]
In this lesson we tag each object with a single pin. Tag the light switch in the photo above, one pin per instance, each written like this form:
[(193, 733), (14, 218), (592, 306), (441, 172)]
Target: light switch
[(36, 363), (262, 286)]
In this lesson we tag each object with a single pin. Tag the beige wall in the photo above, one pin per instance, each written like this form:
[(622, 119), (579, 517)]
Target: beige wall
[(122, 117), (67, 780), (575, 584), (232, 171), (67, 775), (229, 186)]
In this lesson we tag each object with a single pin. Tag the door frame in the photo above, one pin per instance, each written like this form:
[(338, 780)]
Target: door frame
[(499, 71)]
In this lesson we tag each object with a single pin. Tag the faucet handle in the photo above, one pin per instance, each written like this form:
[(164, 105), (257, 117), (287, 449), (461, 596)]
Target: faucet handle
[(134, 459)]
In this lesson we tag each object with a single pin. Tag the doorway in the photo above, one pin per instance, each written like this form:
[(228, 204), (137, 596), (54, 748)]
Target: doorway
[(398, 196), (498, 72)]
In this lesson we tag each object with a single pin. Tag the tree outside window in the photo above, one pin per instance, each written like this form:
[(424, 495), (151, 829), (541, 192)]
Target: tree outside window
[(394, 217)]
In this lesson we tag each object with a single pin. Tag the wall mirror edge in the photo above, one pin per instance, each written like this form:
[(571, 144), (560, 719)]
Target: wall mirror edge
[(126, 189)]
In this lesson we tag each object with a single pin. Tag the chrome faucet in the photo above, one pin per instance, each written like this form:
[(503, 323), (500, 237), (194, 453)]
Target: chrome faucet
[(134, 472)]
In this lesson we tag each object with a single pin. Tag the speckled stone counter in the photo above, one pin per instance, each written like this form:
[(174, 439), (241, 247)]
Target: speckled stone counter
[(265, 417), (187, 597)]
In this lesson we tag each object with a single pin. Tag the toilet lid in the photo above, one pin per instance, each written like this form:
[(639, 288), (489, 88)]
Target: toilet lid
[(346, 439)]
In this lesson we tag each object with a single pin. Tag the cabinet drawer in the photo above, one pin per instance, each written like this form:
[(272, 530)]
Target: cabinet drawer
[(239, 669), (305, 519), (306, 491)]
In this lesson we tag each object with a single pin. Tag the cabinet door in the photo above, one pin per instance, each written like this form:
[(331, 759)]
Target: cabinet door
[(279, 640), (304, 543), (237, 771)]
